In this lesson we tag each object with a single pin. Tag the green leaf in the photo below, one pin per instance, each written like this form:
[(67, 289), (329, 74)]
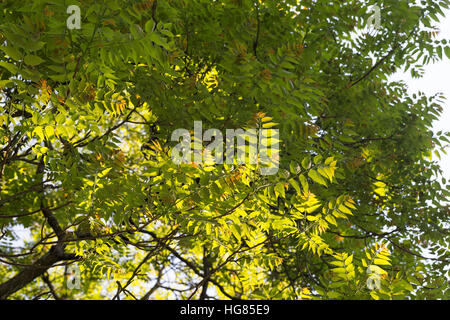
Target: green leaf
[(9, 66), (149, 25), (306, 163), (6, 83), (236, 230), (33, 60), (12, 52), (295, 185), (447, 51)]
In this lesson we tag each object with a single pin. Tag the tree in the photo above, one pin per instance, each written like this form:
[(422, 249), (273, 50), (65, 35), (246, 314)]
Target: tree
[(356, 209)]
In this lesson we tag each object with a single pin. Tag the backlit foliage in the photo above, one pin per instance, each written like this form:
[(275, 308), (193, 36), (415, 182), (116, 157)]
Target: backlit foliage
[(355, 211)]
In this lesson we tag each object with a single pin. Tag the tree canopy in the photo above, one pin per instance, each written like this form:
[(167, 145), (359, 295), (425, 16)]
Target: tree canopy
[(89, 193)]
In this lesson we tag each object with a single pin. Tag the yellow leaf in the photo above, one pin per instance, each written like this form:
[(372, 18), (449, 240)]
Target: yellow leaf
[(382, 262), (269, 125), (349, 260), (344, 209), (380, 191), (40, 132), (331, 219), (49, 131)]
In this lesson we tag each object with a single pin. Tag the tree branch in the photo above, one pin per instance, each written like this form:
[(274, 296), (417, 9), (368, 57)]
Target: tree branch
[(28, 274)]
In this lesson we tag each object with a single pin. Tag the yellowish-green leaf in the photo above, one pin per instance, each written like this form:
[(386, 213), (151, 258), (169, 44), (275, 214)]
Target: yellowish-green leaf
[(279, 189), (316, 177), (304, 182)]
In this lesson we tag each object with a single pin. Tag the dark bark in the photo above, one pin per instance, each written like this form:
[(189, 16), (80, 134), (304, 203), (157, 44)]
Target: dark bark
[(37, 269)]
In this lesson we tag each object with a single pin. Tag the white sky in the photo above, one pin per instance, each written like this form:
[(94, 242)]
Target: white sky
[(436, 80)]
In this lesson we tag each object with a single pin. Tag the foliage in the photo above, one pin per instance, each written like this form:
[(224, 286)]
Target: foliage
[(86, 118)]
